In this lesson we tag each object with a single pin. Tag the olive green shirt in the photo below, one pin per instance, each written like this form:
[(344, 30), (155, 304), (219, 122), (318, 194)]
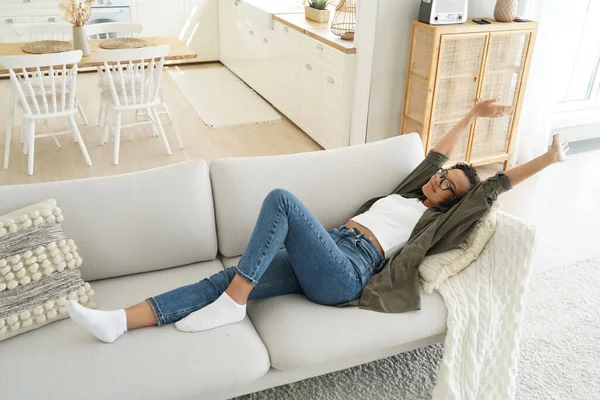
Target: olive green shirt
[(395, 288)]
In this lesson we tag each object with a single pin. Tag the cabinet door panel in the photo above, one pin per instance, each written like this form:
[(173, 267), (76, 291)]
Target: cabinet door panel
[(200, 30), (160, 19), (457, 82), (246, 56), (310, 98), (227, 30), (287, 67), (264, 69), (505, 62), (334, 131)]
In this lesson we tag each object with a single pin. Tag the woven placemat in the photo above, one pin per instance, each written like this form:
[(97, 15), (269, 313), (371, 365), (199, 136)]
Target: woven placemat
[(47, 46), (122, 43)]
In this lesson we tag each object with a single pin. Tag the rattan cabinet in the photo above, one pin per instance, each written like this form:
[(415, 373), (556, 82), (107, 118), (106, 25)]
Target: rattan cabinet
[(453, 67)]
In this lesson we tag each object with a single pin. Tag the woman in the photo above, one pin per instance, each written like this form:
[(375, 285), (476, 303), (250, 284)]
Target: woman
[(371, 261)]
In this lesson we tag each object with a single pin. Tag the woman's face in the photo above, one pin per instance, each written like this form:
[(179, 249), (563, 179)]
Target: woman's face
[(455, 178)]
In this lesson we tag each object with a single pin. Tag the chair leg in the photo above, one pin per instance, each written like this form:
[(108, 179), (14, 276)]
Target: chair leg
[(7, 147), (82, 113), (151, 117), (161, 131), (30, 139), (24, 138), (105, 125), (100, 109), (76, 133), (9, 124), (164, 104), (117, 137)]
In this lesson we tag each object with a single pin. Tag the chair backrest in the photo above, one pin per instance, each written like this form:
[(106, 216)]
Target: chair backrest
[(133, 75), (113, 29), (44, 31), (54, 77)]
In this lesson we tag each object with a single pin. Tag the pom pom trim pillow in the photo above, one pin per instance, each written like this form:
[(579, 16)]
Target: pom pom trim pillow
[(39, 270), (436, 268)]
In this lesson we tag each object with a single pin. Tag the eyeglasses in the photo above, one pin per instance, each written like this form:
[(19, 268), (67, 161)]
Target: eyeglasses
[(445, 183)]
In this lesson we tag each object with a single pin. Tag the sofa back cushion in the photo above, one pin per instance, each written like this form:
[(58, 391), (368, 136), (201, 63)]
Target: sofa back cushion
[(138, 222), (333, 184)]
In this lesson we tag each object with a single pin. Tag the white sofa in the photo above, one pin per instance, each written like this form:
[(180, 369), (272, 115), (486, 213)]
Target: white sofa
[(144, 233)]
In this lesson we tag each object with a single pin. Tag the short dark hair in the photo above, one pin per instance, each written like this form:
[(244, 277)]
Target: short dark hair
[(473, 178)]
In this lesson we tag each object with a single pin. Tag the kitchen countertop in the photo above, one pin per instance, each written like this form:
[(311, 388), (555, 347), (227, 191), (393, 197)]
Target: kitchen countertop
[(319, 31)]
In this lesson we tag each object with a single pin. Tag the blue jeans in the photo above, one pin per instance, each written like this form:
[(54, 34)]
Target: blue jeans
[(329, 268)]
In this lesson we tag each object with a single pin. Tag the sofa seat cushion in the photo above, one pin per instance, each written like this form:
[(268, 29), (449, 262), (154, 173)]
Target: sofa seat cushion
[(299, 333), (149, 363)]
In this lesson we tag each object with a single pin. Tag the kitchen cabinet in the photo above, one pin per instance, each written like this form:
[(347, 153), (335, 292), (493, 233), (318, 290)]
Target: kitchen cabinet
[(14, 12), (200, 29), (160, 18), (307, 80), (195, 22)]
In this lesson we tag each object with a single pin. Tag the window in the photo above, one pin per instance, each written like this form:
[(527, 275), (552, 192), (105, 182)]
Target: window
[(578, 98)]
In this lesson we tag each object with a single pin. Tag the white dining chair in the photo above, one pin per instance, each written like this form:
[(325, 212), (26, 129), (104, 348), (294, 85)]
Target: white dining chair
[(48, 31), (119, 30), (108, 30), (58, 101), (44, 31), (120, 68)]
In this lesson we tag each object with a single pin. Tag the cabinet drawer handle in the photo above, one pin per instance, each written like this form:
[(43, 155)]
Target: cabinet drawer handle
[(251, 32), (330, 80), (286, 29), (27, 1), (308, 66), (9, 21), (265, 40), (52, 19), (235, 3), (320, 47)]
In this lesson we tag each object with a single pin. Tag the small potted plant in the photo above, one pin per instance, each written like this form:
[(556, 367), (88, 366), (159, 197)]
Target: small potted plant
[(317, 11)]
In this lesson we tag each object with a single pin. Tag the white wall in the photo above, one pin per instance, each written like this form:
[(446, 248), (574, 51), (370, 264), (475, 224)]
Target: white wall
[(390, 59)]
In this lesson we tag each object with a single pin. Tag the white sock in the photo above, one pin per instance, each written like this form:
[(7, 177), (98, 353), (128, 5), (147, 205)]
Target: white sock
[(107, 326), (222, 311)]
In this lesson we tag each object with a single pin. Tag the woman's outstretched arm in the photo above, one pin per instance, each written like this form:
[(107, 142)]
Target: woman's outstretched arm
[(557, 153), (487, 109)]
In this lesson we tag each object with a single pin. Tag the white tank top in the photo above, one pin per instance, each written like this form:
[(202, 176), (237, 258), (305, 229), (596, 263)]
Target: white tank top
[(392, 220)]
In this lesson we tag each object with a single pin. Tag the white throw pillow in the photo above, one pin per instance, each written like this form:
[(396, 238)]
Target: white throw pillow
[(436, 268), (39, 270)]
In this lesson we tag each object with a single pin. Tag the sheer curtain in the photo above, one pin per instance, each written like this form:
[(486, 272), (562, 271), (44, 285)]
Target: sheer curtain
[(533, 134)]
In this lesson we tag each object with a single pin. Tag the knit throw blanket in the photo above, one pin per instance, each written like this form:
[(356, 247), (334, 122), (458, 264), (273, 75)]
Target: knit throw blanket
[(485, 306)]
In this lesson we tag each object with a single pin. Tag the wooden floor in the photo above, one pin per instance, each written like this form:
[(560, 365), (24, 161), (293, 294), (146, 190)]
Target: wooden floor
[(143, 151)]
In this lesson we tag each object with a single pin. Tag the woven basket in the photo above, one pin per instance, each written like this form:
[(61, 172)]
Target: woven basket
[(344, 20), (316, 15), (505, 10)]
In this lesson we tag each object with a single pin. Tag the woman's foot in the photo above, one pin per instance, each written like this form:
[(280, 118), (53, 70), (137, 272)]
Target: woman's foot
[(107, 326), (222, 311)]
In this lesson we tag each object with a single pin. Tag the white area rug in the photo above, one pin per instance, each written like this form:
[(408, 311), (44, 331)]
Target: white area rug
[(559, 356), (221, 99), (560, 340)]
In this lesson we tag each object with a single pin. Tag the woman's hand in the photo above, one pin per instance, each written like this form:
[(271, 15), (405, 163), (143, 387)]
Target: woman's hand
[(559, 149), (489, 109)]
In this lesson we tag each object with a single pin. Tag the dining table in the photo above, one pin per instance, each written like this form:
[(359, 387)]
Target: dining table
[(178, 51)]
